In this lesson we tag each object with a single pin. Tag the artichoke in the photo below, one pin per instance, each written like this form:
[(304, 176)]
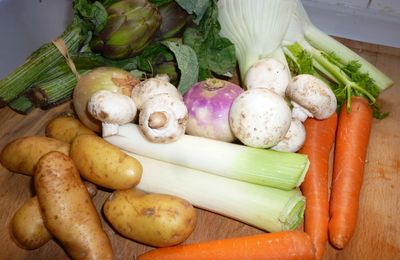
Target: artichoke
[(130, 27), (173, 20)]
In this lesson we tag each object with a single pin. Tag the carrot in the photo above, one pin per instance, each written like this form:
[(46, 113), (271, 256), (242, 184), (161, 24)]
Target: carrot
[(320, 136), (348, 169), (279, 245)]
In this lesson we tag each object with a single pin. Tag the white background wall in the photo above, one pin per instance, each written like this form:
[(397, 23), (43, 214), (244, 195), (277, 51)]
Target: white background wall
[(374, 21)]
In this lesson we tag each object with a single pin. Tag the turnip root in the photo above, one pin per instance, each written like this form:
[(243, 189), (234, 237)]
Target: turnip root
[(208, 103)]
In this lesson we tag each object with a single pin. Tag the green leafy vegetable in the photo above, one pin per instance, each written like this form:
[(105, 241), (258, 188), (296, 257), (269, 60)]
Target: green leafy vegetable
[(93, 13), (160, 2), (187, 63), (214, 53), (195, 7)]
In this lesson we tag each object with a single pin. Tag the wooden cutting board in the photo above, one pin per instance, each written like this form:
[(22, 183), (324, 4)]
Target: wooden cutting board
[(377, 235)]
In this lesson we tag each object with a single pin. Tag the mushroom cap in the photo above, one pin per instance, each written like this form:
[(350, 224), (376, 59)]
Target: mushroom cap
[(260, 118), (163, 118), (151, 87), (112, 107), (294, 138), (313, 95), (268, 73)]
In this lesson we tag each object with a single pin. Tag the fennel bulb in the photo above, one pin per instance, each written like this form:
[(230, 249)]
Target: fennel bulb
[(255, 27)]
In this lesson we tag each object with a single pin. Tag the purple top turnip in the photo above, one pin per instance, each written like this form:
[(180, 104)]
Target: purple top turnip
[(208, 103)]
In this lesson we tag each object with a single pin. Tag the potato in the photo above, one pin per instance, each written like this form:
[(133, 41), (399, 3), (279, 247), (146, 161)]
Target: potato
[(154, 219), (104, 164), (27, 228), (67, 210), (66, 128), (22, 154)]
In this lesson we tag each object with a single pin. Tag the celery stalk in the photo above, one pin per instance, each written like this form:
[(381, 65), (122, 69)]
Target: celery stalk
[(323, 42), (260, 166), (263, 207)]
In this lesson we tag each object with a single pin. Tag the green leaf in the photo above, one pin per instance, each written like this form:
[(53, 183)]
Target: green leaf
[(187, 64), (215, 53), (160, 2), (197, 8), (93, 13), (153, 55)]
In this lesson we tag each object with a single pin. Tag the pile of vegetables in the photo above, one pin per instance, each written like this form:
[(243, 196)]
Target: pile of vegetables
[(144, 37), (174, 124)]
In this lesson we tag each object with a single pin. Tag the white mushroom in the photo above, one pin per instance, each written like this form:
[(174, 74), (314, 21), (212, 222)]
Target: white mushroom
[(113, 109), (259, 117), (163, 118), (268, 73), (310, 97), (150, 87), (294, 138)]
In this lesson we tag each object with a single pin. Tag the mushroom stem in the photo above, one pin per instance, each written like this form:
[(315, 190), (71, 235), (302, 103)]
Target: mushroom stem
[(109, 129), (158, 120), (300, 112)]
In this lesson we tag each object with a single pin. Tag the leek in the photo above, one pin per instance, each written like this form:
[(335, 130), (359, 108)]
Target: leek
[(254, 165), (263, 207)]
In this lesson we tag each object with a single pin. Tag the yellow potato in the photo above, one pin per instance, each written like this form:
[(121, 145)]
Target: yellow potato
[(22, 154), (104, 164), (66, 128), (27, 228), (67, 210), (154, 219)]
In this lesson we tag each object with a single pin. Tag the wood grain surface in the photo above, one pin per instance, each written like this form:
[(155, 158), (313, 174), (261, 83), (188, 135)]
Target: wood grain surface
[(377, 235)]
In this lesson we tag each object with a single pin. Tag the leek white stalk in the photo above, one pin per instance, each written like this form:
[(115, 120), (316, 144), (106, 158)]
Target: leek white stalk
[(254, 165), (263, 207), (255, 27)]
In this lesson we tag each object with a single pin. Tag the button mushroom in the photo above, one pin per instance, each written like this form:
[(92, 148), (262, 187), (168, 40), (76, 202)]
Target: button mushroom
[(150, 87), (163, 118), (268, 73), (294, 138), (260, 118), (310, 97), (112, 109)]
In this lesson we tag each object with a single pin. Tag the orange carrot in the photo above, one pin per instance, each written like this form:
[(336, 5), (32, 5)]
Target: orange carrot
[(320, 136), (348, 169), (279, 245)]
